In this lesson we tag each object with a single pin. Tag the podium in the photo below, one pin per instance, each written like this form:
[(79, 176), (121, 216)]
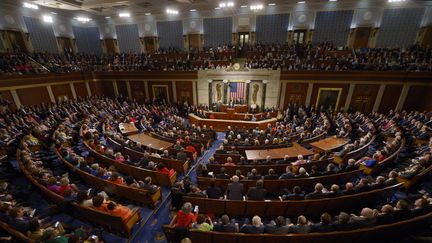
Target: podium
[(237, 108)]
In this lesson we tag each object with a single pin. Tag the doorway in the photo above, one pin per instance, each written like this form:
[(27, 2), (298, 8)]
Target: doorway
[(244, 38), (299, 36)]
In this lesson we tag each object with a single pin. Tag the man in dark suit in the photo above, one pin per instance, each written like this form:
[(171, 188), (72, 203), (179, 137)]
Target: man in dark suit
[(284, 161), (297, 194), (317, 194), (222, 174), (235, 189), (213, 191), (257, 193), (288, 173), (225, 225), (255, 228), (271, 175), (279, 226), (253, 175)]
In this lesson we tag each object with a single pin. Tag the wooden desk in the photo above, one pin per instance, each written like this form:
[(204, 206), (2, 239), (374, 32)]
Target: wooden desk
[(231, 115), (221, 125), (329, 144), (278, 153), (128, 128), (150, 142), (237, 108)]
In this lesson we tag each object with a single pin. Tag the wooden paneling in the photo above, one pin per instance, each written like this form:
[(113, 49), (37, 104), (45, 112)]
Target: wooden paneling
[(390, 98), (364, 96), (111, 46), (107, 88), (138, 90), (122, 89), (33, 96), (361, 38), (97, 89), (155, 84), (80, 90), (7, 96), (334, 76), (62, 90), (418, 98), (295, 93), (427, 36), (194, 41), (184, 91), (343, 96)]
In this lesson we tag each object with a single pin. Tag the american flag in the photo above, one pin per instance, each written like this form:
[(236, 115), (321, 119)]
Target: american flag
[(237, 90)]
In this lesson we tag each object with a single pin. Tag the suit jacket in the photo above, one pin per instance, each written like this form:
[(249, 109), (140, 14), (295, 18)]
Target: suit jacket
[(273, 229), (214, 192), (315, 195), (294, 196), (222, 176), (255, 193), (287, 175), (229, 228), (319, 227), (250, 229), (271, 177), (235, 191)]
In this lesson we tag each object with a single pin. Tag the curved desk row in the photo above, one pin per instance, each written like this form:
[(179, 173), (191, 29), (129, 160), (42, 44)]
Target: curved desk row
[(221, 125)]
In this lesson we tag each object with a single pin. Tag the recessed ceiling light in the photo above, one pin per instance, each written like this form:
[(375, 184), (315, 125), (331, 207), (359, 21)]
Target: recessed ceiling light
[(30, 5), (193, 10), (272, 4), (107, 17), (83, 19), (172, 11), (147, 14), (47, 19), (256, 7), (333, 0), (124, 15), (302, 2), (243, 6)]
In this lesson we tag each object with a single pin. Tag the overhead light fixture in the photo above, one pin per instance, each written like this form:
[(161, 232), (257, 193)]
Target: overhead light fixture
[(396, 1), (226, 4), (301, 2), (172, 11), (256, 7), (47, 19), (333, 0), (124, 15), (31, 6), (243, 6), (217, 8), (193, 10), (272, 4), (82, 19), (147, 14)]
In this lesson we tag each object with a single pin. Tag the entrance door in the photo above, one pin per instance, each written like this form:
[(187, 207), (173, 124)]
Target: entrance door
[(299, 36), (194, 41), (16, 40), (150, 45), (110, 45), (361, 38), (244, 38)]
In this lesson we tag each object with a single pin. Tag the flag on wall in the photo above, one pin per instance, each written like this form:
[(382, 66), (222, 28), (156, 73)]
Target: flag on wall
[(237, 90)]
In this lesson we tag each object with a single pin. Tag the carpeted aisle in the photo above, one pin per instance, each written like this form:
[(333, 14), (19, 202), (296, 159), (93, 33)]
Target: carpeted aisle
[(151, 229)]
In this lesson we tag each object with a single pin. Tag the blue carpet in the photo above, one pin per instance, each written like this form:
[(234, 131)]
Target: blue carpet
[(151, 230)]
